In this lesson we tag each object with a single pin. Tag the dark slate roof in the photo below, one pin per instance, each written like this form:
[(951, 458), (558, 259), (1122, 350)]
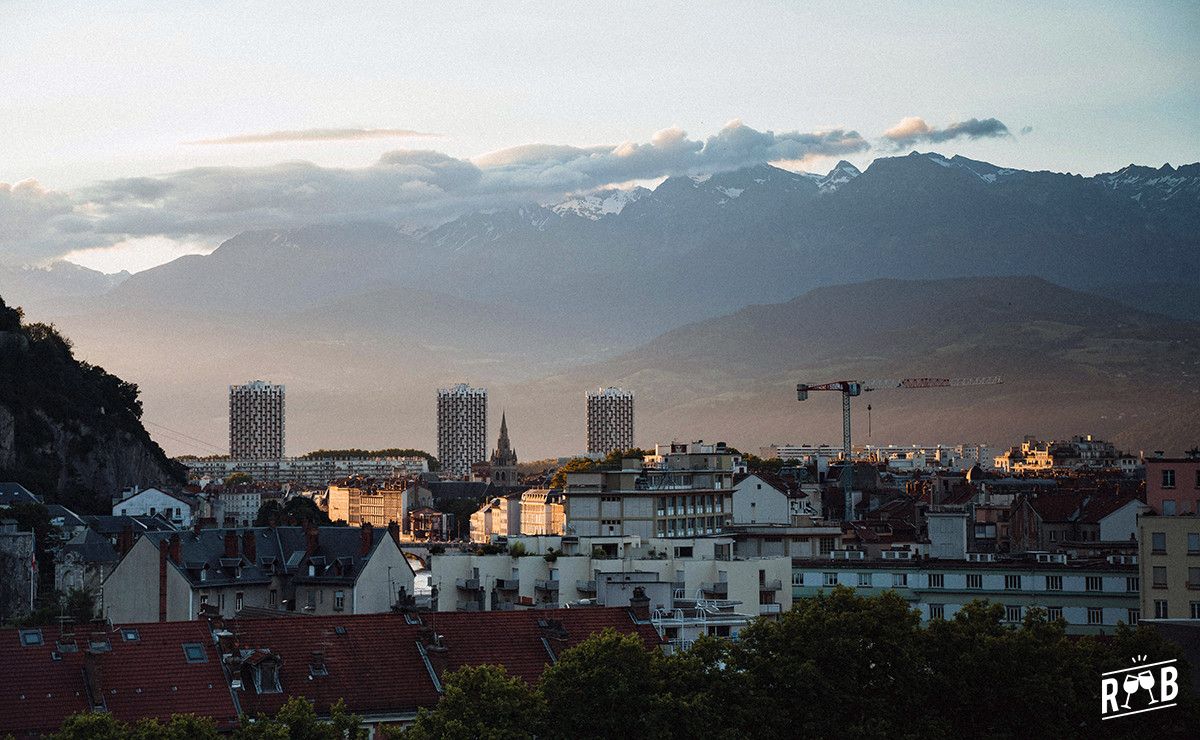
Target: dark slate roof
[(70, 518), (454, 489), (337, 557), (110, 526), (15, 493), (146, 677), (92, 547), (375, 664)]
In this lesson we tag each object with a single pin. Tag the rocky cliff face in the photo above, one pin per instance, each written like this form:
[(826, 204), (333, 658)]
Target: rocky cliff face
[(70, 431)]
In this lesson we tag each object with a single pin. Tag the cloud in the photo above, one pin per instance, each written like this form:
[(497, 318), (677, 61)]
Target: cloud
[(318, 134), (201, 206), (914, 129)]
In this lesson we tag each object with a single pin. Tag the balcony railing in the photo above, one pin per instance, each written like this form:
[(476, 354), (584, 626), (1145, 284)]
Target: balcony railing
[(770, 608), (545, 584), (507, 584), (719, 588), (586, 586), (774, 585), (467, 584)]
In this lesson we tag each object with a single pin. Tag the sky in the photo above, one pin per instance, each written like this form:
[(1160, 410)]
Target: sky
[(134, 132)]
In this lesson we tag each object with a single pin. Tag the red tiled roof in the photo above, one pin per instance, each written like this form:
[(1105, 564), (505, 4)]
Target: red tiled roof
[(1058, 507), (147, 677), (377, 666)]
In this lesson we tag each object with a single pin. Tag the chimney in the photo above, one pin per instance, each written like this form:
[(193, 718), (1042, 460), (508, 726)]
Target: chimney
[(231, 544), (250, 546), (639, 604), (368, 538), (125, 540), (176, 550), (311, 538), (394, 531)]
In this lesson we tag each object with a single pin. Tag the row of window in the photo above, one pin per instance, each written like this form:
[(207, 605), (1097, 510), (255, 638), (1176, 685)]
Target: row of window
[(1160, 576), (975, 581), (1168, 478), (1160, 609), (1015, 613), (339, 599), (1158, 543)]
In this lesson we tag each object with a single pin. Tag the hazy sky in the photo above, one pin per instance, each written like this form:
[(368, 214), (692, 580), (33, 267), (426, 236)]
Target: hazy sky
[(94, 93)]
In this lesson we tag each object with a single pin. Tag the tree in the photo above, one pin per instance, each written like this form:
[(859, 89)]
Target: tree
[(616, 456), (238, 478), (606, 686), (297, 510), (574, 465), (179, 727), (481, 701), (298, 720)]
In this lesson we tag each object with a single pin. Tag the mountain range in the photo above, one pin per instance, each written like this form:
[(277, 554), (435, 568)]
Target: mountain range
[(672, 291)]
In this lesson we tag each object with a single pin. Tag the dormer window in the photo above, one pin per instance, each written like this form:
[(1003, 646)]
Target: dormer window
[(266, 676)]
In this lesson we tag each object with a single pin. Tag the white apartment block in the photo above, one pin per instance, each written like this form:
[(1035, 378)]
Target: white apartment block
[(462, 428), (256, 417), (308, 472), (609, 420)]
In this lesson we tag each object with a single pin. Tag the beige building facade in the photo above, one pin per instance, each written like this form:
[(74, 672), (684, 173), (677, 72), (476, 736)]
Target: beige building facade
[(1169, 563)]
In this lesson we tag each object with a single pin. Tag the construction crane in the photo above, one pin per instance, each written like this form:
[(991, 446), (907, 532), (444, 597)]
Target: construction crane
[(851, 388)]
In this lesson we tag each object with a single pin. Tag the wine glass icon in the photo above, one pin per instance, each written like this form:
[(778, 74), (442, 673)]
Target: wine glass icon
[(1130, 685), (1146, 679)]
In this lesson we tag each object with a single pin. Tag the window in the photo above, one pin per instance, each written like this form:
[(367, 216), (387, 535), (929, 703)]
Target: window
[(268, 677), (1133, 616), (31, 638), (1169, 507), (1196, 610), (1193, 543), (1094, 583), (899, 580), (826, 545), (339, 600), (937, 580), (1054, 613), (1133, 584), (1053, 535), (273, 597), (203, 599), (1168, 480), (1054, 583), (975, 580), (797, 578), (1095, 615), (194, 652), (237, 601), (312, 599), (1012, 583), (1012, 613), (829, 579), (1160, 608), (1158, 542), (129, 634), (221, 601), (864, 580), (1160, 576), (1193, 578), (937, 611)]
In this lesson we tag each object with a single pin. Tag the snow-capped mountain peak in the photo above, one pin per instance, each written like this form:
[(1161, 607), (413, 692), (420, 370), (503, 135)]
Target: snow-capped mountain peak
[(594, 206)]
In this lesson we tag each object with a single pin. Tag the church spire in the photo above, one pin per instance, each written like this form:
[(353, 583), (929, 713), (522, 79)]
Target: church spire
[(503, 444)]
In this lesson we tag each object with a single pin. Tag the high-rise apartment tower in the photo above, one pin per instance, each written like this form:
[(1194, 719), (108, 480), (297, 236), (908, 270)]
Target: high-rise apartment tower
[(609, 420), (256, 414), (462, 428)]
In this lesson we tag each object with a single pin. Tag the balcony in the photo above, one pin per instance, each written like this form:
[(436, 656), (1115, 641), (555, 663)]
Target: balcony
[(718, 589), (774, 585), (507, 584), (467, 584), (770, 608), (585, 586), (543, 584)]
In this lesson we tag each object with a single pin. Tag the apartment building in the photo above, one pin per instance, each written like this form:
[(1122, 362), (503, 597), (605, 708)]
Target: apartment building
[(256, 421), (1169, 557), (683, 490), (313, 570), (462, 428), (609, 420), (1091, 595), (542, 512), (175, 508), (1081, 452), (1173, 485), (693, 568), (363, 501), (497, 517), (307, 472)]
